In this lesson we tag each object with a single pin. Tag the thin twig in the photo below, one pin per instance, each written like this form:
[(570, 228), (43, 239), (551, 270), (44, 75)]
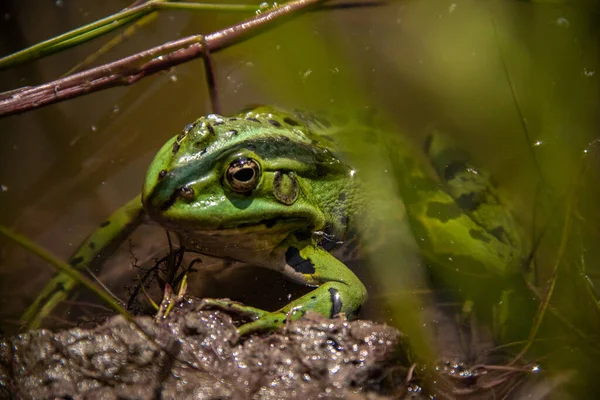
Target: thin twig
[(135, 67)]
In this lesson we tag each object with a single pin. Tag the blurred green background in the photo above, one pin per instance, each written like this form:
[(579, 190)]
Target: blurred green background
[(514, 82)]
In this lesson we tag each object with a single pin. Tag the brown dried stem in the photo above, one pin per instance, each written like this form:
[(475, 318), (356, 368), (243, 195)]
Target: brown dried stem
[(131, 69)]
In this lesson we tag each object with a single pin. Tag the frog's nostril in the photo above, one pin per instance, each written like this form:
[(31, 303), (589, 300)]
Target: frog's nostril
[(186, 192)]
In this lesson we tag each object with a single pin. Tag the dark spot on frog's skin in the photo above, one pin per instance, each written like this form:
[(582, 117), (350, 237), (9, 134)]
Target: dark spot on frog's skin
[(469, 201), (218, 123), (231, 132), (478, 235), (210, 128), (313, 297), (344, 220), (104, 224), (499, 233), (251, 147), (252, 119), (291, 121), (453, 168), (443, 211), (76, 261), (233, 119), (298, 263), (203, 151), (162, 174), (336, 302), (274, 123), (285, 138), (342, 196), (176, 147), (92, 245)]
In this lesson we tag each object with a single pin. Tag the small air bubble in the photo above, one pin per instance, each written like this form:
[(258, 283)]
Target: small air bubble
[(307, 73), (3, 188), (94, 128), (535, 368), (452, 8), (173, 78), (563, 22), (538, 143), (116, 109), (59, 3), (588, 72)]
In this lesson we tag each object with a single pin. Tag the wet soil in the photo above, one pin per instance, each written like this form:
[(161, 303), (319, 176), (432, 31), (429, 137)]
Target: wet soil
[(197, 354)]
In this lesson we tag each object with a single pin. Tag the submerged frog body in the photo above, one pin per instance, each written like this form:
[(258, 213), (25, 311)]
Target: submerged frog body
[(273, 189)]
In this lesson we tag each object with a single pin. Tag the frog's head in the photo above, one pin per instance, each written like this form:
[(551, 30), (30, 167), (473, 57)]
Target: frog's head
[(238, 185)]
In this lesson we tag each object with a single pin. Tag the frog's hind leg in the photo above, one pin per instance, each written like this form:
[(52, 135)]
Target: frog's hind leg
[(496, 230), (99, 244), (474, 191)]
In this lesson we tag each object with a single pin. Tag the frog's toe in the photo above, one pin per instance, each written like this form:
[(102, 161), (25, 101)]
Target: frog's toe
[(268, 321), (231, 306)]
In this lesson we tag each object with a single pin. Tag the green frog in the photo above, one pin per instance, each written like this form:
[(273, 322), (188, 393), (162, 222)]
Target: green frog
[(277, 189)]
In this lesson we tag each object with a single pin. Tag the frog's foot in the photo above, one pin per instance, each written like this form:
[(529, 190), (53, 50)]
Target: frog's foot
[(262, 320)]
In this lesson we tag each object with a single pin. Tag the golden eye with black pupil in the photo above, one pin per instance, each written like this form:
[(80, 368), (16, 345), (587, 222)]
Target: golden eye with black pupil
[(243, 175)]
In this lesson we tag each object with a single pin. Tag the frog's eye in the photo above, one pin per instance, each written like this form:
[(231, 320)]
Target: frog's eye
[(243, 175)]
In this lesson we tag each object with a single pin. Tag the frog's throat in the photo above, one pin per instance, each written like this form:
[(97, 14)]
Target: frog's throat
[(247, 243)]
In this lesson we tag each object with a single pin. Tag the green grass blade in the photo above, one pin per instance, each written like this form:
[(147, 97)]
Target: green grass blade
[(65, 268), (108, 24)]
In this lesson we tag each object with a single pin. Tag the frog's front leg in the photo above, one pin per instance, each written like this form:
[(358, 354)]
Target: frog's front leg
[(338, 290), (100, 243)]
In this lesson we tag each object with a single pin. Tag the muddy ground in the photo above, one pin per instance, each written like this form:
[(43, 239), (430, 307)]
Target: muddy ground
[(196, 354)]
